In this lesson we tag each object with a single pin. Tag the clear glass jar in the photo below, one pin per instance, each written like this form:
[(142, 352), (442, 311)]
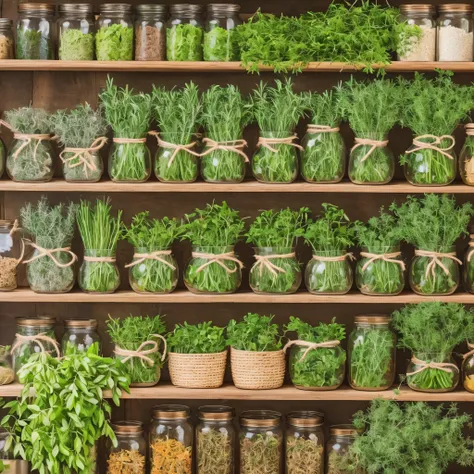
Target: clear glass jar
[(79, 336), (466, 158), (372, 348), (304, 443), (150, 33), (35, 31), (153, 270), (9, 255), (455, 32), (129, 162), (76, 27), (7, 374), (114, 37), (215, 440), (341, 437), (84, 165), (424, 378), (468, 267), (329, 273), (261, 442), (99, 272), (219, 38), (214, 270), (422, 18), (378, 273), (184, 33), (2, 157), (468, 369), (264, 279), (171, 440), (6, 41), (129, 456)]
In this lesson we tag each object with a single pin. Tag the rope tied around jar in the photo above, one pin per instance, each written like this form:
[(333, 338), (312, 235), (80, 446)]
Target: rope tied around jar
[(219, 259), (84, 155), (419, 144), (268, 142), (263, 261), (142, 353), (38, 339), (235, 146), (173, 146), (337, 258), (311, 346), (386, 257), (471, 351), (436, 260), (156, 255), (471, 251), (423, 365), (100, 259), (44, 252), (374, 144), (314, 128)]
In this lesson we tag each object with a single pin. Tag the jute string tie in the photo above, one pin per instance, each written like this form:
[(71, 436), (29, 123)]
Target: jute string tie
[(51, 254), (142, 353), (268, 142), (423, 365), (311, 346), (386, 257), (173, 146), (471, 351), (313, 128), (419, 144), (128, 140), (264, 261), (157, 255), (471, 251), (83, 155), (235, 146), (219, 259), (38, 339), (100, 259), (337, 258), (374, 144), (436, 260)]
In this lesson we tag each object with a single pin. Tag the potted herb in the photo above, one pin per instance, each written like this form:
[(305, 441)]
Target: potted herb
[(30, 157), (274, 235), (197, 355), (432, 110), (224, 117), (129, 116), (177, 113), (50, 269), (100, 233), (213, 232), (137, 344), (277, 110), (81, 132), (380, 270), (323, 159), (257, 359), (329, 236), (431, 331), (433, 224), (317, 360)]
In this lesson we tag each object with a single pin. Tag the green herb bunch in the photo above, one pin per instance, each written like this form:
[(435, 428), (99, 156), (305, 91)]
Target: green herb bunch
[(72, 347), (114, 42), (129, 115), (322, 368), (184, 42), (202, 338), (76, 45), (33, 44), (220, 44)]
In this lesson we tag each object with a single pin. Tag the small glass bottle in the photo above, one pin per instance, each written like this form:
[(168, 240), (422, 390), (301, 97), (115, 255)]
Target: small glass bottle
[(372, 351), (130, 451), (455, 32), (215, 440), (6, 42), (466, 158), (171, 440), (304, 442), (9, 256), (150, 33), (184, 33), (79, 336), (340, 440), (468, 267), (219, 38), (261, 442)]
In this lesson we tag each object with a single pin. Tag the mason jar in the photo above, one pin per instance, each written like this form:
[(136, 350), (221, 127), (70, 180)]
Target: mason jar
[(466, 158), (468, 369), (171, 440), (372, 348), (79, 336), (3, 154), (76, 26), (35, 31), (215, 440), (184, 33), (6, 42), (15, 466), (455, 32), (9, 255), (261, 442), (219, 38), (150, 33), (99, 272), (304, 442), (468, 267), (341, 437), (7, 374), (131, 448), (129, 160)]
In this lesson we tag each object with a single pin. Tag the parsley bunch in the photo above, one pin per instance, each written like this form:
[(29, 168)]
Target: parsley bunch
[(202, 338)]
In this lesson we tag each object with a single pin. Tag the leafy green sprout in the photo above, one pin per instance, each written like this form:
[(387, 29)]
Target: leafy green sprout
[(202, 338)]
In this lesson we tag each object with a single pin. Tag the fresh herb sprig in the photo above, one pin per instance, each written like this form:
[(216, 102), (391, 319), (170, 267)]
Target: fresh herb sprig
[(202, 338)]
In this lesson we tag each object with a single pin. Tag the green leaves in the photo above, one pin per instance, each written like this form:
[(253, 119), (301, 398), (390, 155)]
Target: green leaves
[(379, 232), (202, 338), (29, 120)]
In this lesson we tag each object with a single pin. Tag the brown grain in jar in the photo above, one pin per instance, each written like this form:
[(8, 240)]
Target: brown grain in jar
[(150, 33)]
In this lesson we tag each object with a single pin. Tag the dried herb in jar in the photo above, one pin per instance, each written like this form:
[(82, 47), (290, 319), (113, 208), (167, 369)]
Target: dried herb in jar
[(31, 44), (304, 456), (184, 43), (214, 452), (114, 43), (6, 47), (150, 44), (260, 454), (8, 273), (170, 456), (126, 462), (76, 46)]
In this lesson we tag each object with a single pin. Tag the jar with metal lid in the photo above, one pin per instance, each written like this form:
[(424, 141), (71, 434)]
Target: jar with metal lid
[(150, 33), (372, 350), (261, 442), (114, 37), (129, 456), (171, 440), (215, 440), (184, 33), (455, 32), (9, 255), (219, 37), (80, 336), (76, 27), (417, 42), (6, 46), (35, 31), (304, 443), (340, 440)]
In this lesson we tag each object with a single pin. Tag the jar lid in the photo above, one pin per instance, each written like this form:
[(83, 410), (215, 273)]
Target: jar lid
[(344, 430), (455, 7), (76, 8), (187, 8), (152, 8), (373, 319), (5, 23), (127, 427), (6, 222), (41, 321), (418, 8), (115, 8), (80, 323), (260, 418), (223, 7), (304, 419), (41, 7), (171, 412), (216, 413)]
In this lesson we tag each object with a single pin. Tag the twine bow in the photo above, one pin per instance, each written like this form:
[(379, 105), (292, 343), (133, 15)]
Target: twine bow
[(38, 339), (311, 346), (423, 365), (386, 257), (313, 128), (235, 146), (436, 260), (84, 155), (51, 254), (142, 353), (268, 142), (471, 351), (338, 258), (433, 145), (263, 261), (374, 144), (219, 259), (157, 255), (173, 146)]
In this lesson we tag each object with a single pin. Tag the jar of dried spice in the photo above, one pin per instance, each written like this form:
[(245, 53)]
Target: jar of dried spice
[(6, 39), (150, 33), (9, 255), (129, 456), (455, 32)]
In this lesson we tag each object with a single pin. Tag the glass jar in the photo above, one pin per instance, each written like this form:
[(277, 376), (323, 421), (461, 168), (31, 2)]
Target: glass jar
[(468, 369), (434, 273), (372, 348), (214, 270), (76, 27), (150, 34), (171, 440), (35, 31), (219, 38), (184, 33), (2, 157), (422, 18), (324, 157), (329, 273), (304, 442), (466, 158), (468, 267), (130, 453), (215, 440), (455, 32), (129, 160), (114, 37), (6, 41), (284, 279), (99, 272), (79, 336), (9, 255), (341, 437), (7, 374), (261, 442), (433, 372), (153, 270), (380, 271)]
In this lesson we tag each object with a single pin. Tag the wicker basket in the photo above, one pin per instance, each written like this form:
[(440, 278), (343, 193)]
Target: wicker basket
[(257, 370), (197, 370)]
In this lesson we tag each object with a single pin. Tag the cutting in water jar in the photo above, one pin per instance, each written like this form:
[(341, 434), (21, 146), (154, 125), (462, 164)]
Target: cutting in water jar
[(79, 336)]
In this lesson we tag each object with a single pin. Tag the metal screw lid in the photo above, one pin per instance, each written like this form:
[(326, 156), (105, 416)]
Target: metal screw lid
[(186, 9), (36, 7), (116, 8), (76, 8), (6, 23), (223, 8), (152, 8)]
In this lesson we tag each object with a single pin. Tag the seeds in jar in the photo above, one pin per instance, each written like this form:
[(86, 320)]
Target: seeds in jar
[(455, 44), (150, 44), (422, 48), (8, 273), (6, 48)]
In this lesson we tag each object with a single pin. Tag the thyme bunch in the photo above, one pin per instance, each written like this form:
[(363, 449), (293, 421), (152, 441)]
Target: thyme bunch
[(202, 338)]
